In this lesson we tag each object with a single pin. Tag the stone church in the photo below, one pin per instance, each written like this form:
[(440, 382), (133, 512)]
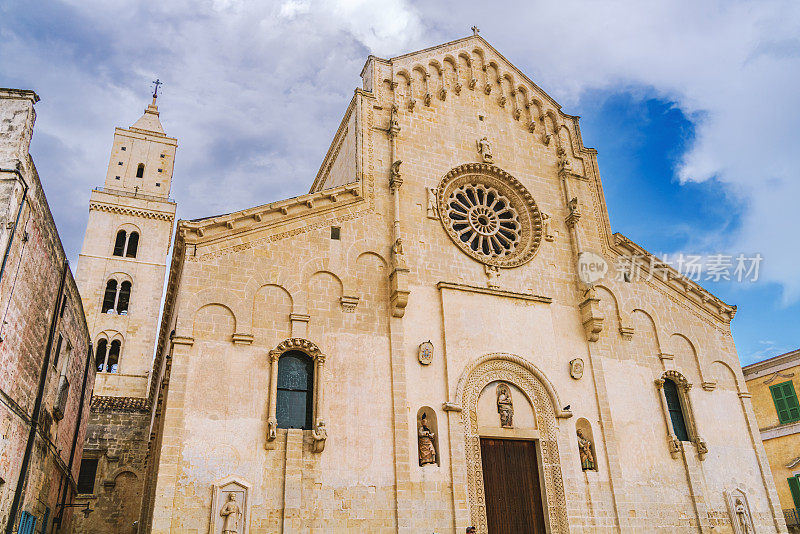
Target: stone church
[(423, 342)]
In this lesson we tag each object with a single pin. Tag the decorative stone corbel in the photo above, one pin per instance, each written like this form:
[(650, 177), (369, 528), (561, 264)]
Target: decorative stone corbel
[(702, 448), (411, 104), (709, 386), (591, 316), (532, 126), (398, 299), (427, 99), (457, 88), (443, 93), (239, 338), (626, 331), (320, 435), (349, 303), (675, 446), (472, 83), (452, 407)]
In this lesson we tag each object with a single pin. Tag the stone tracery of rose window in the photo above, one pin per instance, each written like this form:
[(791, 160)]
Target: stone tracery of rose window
[(484, 220), (490, 215)]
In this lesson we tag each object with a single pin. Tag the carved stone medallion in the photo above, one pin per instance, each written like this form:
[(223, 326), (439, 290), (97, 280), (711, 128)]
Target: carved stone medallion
[(490, 215), (576, 368), (425, 353)]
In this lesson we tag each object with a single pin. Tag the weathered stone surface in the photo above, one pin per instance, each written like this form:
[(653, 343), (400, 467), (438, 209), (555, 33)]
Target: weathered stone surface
[(33, 261)]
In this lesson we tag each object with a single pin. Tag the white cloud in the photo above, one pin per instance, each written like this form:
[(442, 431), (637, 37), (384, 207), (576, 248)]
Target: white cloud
[(254, 90)]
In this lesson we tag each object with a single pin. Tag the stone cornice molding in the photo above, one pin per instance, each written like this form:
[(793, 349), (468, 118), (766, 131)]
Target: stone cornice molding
[(333, 150), (245, 222), (772, 365), (145, 214), (491, 291), (698, 296)]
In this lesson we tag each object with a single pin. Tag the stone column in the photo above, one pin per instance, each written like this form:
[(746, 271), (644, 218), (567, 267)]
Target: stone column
[(272, 421), (319, 383)]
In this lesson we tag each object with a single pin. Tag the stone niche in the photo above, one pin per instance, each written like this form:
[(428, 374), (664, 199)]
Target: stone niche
[(220, 497), (523, 423)]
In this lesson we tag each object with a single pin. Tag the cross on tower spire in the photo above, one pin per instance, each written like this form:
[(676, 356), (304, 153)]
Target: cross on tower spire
[(157, 82)]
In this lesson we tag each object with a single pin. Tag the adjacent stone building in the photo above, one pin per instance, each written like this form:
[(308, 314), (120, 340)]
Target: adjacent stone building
[(121, 271), (774, 384), (46, 376), (426, 340)]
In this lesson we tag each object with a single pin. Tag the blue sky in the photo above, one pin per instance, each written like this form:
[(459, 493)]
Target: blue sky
[(692, 106)]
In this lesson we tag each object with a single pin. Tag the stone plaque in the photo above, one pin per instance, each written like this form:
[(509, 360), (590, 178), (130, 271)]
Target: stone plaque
[(425, 353), (576, 368)]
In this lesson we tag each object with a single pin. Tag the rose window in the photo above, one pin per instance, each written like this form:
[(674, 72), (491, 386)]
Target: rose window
[(484, 220), (489, 214)]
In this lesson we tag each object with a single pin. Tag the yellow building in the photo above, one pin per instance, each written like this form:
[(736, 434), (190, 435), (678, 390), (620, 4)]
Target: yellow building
[(774, 384)]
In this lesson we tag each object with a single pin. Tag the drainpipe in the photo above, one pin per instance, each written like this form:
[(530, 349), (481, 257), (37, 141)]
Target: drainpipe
[(37, 408), (16, 222), (60, 515)]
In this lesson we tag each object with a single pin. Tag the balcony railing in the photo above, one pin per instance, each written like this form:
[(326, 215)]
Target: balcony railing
[(792, 516), (133, 194)]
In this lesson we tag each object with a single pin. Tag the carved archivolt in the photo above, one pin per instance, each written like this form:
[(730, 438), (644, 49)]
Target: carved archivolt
[(507, 368), (490, 215)]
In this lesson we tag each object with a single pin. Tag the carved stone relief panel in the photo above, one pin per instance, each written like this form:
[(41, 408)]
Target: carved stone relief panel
[(230, 507)]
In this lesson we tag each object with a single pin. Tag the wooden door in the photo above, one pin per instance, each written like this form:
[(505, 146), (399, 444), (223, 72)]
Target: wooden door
[(511, 486)]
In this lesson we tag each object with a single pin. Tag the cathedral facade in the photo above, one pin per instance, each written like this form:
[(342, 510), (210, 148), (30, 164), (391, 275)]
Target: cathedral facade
[(433, 337)]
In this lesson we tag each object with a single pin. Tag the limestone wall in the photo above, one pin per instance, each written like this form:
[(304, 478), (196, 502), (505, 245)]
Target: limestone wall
[(246, 281)]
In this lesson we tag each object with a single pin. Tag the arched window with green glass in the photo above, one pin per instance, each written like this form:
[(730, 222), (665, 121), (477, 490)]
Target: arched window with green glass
[(295, 399), (675, 410)]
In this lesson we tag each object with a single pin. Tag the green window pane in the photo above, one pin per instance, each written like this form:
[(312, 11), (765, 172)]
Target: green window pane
[(794, 486), (786, 404)]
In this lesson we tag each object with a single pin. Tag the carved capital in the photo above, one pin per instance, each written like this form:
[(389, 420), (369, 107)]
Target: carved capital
[(659, 382)]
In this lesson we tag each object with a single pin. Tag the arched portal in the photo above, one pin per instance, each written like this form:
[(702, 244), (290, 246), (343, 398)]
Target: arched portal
[(539, 392)]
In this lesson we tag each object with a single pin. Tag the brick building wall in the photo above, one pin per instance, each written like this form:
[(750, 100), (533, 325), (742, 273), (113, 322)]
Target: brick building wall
[(37, 310)]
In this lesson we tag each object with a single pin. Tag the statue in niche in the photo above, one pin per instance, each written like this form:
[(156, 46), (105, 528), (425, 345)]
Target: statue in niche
[(742, 517), (505, 406), (427, 451), (485, 150), (231, 514), (585, 448)]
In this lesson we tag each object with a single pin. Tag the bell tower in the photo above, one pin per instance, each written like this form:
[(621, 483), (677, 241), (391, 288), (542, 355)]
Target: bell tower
[(122, 263)]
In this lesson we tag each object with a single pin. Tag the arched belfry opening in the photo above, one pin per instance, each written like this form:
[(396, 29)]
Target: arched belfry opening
[(509, 414)]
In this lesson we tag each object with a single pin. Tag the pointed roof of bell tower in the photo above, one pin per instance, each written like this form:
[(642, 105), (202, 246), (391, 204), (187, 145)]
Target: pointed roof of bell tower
[(149, 122)]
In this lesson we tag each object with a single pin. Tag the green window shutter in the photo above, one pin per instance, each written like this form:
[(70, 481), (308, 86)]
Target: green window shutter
[(785, 399), (794, 486)]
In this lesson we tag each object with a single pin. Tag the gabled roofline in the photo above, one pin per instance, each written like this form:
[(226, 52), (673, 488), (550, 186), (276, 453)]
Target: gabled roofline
[(486, 43), (771, 365)]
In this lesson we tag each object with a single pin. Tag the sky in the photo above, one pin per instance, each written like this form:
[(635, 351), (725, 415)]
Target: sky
[(692, 105)]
